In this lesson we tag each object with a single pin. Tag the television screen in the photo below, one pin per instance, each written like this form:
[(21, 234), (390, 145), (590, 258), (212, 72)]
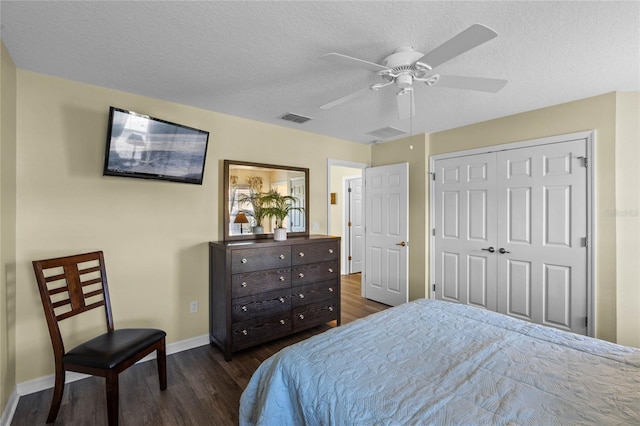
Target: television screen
[(140, 146)]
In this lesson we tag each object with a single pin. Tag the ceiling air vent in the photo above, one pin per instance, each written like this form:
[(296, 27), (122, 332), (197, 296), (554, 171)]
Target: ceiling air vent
[(296, 118), (387, 132)]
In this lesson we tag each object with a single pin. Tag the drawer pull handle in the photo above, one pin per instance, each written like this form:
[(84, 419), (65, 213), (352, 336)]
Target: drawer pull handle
[(330, 289), (330, 308), (301, 254), (301, 316), (245, 332), (301, 296), (281, 299), (281, 278), (282, 322), (301, 275), (244, 260), (281, 256), (330, 271), (244, 284), (330, 251), (244, 309)]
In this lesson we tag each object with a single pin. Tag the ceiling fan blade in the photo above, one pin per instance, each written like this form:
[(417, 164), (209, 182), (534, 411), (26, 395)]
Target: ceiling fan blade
[(472, 37), (345, 98), (480, 84), (338, 58), (406, 105)]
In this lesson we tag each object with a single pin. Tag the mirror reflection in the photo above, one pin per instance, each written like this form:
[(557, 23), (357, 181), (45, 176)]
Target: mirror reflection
[(251, 188)]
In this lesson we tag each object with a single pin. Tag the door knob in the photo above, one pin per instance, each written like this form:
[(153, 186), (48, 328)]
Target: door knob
[(401, 243), (503, 251), (490, 249)]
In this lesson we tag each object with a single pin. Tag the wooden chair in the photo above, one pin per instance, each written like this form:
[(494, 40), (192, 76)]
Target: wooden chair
[(70, 286)]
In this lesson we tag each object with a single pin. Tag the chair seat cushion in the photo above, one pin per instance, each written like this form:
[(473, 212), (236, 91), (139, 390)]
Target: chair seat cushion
[(110, 349)]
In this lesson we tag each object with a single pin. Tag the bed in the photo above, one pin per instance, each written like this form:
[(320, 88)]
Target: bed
[(433, 362)]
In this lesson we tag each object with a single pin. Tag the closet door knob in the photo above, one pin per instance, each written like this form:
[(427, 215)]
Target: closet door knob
[(490, 249), (503, 251)]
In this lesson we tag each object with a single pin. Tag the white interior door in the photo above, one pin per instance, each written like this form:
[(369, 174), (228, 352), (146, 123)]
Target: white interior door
[(297, 216), (386, 274), (511, 230), (465, 217), (542, 253), (355, 225)]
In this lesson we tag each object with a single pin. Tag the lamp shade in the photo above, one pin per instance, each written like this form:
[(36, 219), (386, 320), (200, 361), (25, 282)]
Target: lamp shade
[(241, 218)]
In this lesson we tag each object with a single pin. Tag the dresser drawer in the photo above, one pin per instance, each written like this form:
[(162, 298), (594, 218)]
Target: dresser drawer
[(315, 314), (310, 253), (306, 274), (261, 304), (248, 333), (259, 282), (310, 293), (255, 259)]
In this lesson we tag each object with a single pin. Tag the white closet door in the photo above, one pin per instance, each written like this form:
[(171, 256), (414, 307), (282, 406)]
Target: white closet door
[(465, 217), (542, 205), (510, 233)]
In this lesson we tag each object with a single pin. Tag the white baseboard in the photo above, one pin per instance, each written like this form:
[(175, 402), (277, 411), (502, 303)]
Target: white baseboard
[(12, 403), (46, 382)]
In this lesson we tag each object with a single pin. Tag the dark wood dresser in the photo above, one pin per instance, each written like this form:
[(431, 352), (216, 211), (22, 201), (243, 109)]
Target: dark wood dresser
[(261, 290)]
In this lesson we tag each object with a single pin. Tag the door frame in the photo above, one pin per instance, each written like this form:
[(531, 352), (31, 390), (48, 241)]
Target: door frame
[(355, 165), (346, 229), (589, 137)]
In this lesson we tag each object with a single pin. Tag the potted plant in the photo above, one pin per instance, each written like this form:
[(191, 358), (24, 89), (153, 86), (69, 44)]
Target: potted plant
[(278, 207), (255, 199)]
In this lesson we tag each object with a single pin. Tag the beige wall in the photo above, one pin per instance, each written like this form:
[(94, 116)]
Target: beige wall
[(154, 234), (412, 150), (599, 114), (7, 225), (628, 217)]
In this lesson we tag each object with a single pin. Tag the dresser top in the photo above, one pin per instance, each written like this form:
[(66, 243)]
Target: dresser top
[(267, 242)]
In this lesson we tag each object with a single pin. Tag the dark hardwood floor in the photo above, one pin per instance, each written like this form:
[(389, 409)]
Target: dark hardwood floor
[(202, 389)]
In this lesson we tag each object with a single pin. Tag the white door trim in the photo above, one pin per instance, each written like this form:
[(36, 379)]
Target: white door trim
[(589, 136)]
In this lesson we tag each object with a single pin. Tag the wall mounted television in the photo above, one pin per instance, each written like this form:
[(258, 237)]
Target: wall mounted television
[(140, 146)]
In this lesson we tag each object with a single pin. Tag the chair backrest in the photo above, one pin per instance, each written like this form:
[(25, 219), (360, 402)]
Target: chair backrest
[(69, 286)]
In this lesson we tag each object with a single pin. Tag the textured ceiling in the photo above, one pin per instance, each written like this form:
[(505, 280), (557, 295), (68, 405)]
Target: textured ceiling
[(261, 59)]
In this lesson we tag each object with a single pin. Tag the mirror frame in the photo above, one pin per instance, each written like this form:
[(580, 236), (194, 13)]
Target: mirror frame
[(226, 215)]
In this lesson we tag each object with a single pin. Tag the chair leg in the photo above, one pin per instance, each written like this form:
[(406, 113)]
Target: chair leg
[(162, 365), (112, 398), (58, 390)]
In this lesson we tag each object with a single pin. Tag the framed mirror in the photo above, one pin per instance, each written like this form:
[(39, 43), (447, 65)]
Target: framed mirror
[(246, 184)]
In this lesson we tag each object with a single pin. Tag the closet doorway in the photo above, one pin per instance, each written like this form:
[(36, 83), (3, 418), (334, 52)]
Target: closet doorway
[(511, 230)]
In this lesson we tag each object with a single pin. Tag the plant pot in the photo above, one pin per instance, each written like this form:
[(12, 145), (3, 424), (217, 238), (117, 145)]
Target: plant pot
[(280, 234), (258, 229)]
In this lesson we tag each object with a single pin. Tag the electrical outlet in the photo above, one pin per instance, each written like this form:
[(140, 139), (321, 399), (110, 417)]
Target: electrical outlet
[(194, 306)]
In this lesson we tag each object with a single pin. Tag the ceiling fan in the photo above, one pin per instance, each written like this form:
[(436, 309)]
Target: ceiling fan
[(406, 66)]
